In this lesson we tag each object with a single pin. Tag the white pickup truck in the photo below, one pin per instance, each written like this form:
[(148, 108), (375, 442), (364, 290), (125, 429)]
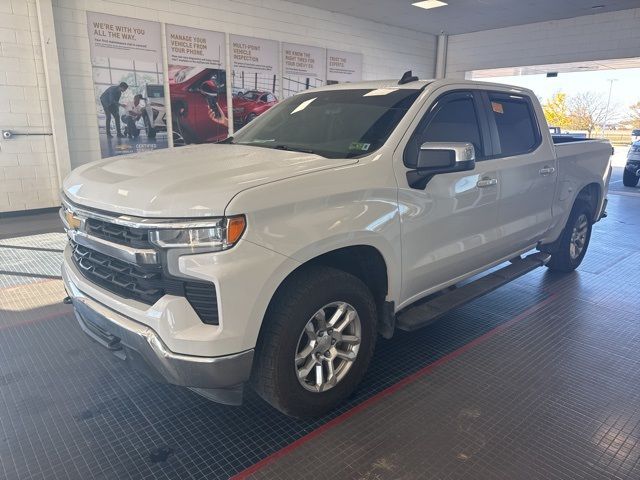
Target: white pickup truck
[(276, 258)]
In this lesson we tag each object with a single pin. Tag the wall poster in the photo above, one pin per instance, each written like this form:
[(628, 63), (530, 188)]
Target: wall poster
[(126, 60), (304, 68), (255, 79), (197, 85), (343, 67)]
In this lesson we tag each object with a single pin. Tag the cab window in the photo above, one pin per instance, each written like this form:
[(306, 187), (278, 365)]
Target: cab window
[(453, 118), (516, 125)]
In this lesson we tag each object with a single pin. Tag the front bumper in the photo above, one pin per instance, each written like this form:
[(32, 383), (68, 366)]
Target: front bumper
[(219, 378)]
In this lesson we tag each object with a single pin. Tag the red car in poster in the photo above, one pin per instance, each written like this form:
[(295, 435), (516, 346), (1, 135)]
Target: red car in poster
[(199, 105), (248, 105)]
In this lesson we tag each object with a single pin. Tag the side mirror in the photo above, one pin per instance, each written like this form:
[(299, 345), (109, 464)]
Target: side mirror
[(441, 157)]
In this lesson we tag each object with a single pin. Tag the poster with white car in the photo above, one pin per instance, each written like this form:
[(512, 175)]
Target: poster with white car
[(197, 84), (304, 68), (126, 60), (255, 79), (343, 67)]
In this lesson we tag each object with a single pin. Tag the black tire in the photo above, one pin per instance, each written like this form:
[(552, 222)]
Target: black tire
[(629, 179), (250, 118), (307, 291), (562, 259)]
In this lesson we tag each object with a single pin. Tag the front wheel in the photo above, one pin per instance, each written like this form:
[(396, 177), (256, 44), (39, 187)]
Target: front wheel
[(572, 244), (629, 179), (317, 341)]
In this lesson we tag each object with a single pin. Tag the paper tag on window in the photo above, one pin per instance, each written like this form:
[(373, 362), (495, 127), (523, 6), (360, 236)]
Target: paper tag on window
[(497, 107), (363, 147)]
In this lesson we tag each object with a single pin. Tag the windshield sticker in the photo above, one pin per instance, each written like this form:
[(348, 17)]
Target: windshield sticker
[(361, 147), (497, 107), (380, 91)]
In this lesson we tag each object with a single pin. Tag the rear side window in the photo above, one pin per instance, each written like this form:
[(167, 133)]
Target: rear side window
[(453, 118), (516, 125)]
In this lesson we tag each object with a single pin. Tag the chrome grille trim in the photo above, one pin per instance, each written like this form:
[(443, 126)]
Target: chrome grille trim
[(134, 256)]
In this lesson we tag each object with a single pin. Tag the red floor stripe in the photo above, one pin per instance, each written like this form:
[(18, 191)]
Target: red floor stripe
[(388, 391)]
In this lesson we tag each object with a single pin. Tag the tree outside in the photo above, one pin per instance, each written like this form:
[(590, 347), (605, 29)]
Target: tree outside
[(586, 111), (556, 111), (634, 115)]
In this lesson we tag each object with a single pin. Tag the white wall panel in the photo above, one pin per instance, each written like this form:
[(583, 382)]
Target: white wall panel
[(593, 37)]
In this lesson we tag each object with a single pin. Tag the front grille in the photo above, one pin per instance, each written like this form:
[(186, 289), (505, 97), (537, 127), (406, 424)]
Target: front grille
[(146, 284), (133, 237)]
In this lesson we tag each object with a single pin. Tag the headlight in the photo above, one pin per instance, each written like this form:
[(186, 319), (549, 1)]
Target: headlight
[(219, 235)]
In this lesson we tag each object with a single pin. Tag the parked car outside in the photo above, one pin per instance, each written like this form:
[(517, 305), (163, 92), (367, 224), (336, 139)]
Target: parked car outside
[(631, 172)]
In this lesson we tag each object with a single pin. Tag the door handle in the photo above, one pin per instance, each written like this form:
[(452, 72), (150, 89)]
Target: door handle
[(546, 170), (487, 182)]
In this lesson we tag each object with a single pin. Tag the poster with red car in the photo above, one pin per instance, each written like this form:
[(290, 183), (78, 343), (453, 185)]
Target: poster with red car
[(304, 68), (255, 81), (197, 85)]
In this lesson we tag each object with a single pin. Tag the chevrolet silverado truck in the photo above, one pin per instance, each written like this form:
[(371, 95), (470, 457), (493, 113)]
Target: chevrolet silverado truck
[(276, 258)]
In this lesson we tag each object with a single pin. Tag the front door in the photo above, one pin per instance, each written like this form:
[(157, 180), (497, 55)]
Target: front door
[(449, 227)]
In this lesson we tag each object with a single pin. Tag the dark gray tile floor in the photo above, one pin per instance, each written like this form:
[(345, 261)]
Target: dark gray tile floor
[(537, 380)]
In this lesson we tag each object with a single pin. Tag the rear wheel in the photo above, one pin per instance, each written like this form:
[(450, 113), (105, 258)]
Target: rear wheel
[(629, 179), (317, 341), (574, 241)]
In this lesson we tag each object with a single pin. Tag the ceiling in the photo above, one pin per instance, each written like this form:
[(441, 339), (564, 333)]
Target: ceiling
[(464, 16), (559, 68)]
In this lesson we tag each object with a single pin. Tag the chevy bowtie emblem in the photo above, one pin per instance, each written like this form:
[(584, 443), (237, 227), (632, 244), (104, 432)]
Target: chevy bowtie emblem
[(73, 221)]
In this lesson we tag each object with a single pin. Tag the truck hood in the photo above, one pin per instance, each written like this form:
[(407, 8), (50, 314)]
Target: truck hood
[(186, 182)]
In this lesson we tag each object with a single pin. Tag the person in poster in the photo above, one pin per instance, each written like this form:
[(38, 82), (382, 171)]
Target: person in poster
[(126, 60), (134, 111), (110, 100)]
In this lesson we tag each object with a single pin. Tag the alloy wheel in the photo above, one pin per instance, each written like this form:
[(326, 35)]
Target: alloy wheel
[(328, 346)]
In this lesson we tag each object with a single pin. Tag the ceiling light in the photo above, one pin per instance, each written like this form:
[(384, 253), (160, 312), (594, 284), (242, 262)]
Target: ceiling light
[(429, 4)]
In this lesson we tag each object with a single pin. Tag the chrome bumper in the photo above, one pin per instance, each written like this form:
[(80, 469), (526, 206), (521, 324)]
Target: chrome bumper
[(218, 378)]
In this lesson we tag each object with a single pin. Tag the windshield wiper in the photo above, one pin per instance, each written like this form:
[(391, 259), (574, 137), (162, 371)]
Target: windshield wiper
[(293, 149), (227, 140)]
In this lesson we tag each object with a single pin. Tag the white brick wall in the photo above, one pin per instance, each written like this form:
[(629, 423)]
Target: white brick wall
[(28, 176), (388, 51), (593, 37)]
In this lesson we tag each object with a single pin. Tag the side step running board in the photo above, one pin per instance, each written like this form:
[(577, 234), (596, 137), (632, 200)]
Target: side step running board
[(425, 313)]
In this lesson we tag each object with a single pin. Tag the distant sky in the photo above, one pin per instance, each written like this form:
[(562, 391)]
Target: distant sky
[(625, 92)]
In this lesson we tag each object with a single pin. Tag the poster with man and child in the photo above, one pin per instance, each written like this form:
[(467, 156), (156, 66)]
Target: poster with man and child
[(126, 60)]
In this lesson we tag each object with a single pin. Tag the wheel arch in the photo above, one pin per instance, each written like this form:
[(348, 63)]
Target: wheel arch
[(363, 261), (591, 194)]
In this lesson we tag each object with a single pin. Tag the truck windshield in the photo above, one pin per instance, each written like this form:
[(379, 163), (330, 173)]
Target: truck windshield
[(334, 123)]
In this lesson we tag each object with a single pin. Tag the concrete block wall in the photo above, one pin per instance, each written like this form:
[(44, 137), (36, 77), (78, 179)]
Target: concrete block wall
[(387, 51), (28, 171), (601, 36)]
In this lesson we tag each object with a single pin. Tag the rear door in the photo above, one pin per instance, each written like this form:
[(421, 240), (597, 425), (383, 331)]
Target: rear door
[(527, 170), (449, 226)]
